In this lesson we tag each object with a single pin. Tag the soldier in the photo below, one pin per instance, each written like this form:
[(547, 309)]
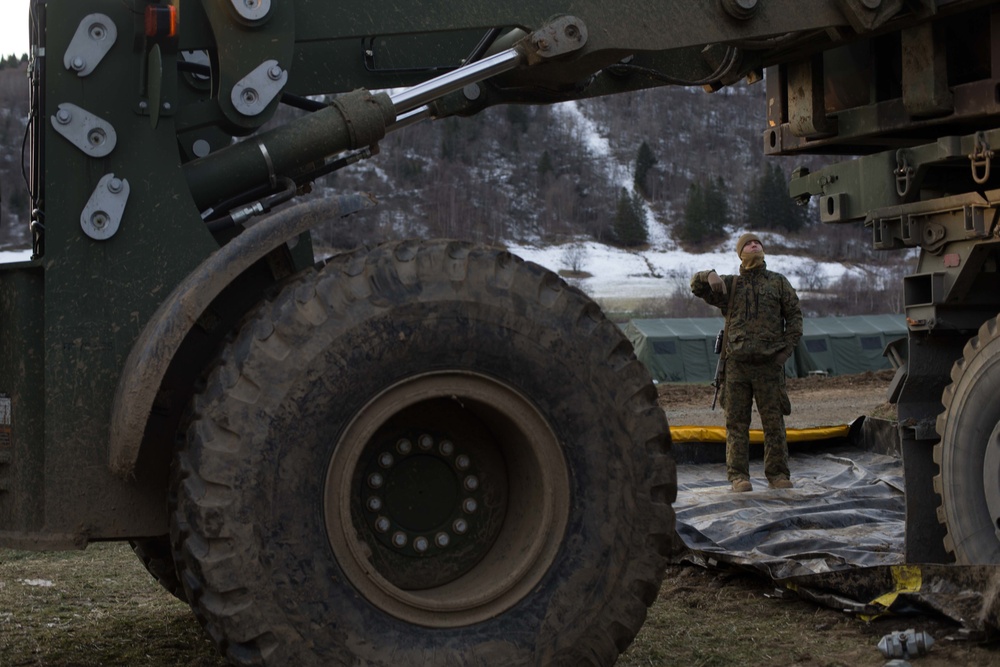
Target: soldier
[(763, 325)]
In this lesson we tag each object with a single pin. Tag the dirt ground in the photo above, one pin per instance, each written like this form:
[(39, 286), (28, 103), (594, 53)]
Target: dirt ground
[(816, 401), (725, 616)]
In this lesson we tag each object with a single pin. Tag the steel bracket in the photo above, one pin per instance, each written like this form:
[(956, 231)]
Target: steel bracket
[(256, 90), (102, 215), (94, 37), (94, 136)]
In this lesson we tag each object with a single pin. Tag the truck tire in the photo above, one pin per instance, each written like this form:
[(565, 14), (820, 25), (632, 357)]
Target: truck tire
[(427, 454), (156, 556), (968, 454)]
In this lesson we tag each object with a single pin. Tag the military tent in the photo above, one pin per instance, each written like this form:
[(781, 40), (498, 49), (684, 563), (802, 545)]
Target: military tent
[(676, 350), (682, 350), (847, 345)]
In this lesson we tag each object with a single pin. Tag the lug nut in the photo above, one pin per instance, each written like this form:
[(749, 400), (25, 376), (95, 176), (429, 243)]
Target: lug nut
[(382, 524), (470, 505), (442, 540), (375, 480), (446, 448), (471, 483), (399, 539), (460, 526), (386, 460), (425, 442), (374, 503), (462, 462), (420, 544), (404, 446)]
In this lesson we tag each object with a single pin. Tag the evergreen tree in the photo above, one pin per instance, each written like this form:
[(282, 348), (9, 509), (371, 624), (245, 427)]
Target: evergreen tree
[(545, 167), (644, 162), (630, 220), (706, 212), (770, 207)]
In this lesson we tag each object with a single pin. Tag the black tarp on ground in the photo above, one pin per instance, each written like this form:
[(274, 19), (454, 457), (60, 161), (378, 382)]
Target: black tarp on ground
[(836, 538)]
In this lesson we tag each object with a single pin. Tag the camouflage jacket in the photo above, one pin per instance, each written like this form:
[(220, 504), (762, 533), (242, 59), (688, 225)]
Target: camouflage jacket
[(766, 318)]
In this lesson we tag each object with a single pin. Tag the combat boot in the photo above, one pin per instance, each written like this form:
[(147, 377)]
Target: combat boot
[(780, 483), (742, 485)]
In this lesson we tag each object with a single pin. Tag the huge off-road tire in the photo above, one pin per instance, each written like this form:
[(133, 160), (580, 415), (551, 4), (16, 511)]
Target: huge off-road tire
[(969, 452), (156, 556), (426, 454)]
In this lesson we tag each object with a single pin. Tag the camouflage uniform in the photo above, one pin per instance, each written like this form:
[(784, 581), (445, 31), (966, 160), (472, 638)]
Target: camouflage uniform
[(766, 321)]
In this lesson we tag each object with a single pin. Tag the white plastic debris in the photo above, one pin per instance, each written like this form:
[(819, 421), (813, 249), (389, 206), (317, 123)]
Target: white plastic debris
[(905, 644)]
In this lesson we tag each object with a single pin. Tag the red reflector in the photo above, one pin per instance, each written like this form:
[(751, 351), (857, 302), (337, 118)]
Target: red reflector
[(161, 21)]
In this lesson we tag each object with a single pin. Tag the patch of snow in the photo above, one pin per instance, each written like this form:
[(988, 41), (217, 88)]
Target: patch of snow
[(41, 583), (657, 272), (11, 256)]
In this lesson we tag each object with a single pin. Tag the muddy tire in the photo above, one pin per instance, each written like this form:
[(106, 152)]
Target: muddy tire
[(155, 555), (429, 454), (968, 455)]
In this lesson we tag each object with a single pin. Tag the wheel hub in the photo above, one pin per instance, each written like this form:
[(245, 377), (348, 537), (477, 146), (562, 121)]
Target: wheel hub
[(446, 499), (422, 495)]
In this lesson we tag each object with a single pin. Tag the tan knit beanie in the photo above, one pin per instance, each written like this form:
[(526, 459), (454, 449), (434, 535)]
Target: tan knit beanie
[(743, 240)]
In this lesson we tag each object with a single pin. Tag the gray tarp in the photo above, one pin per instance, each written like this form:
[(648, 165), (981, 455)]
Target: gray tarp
[(836, 538), (846, 510)]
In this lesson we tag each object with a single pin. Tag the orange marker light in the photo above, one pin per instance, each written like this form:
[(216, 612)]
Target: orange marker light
[(161, 21)]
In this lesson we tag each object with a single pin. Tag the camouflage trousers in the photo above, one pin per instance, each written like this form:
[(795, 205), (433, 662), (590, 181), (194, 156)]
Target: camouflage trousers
[(744, 383)]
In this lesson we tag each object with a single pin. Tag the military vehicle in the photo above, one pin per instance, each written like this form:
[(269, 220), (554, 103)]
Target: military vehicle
[(432, 452)]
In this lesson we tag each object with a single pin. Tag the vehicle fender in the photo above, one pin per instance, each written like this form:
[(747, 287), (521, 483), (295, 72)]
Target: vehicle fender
[(160, 339)]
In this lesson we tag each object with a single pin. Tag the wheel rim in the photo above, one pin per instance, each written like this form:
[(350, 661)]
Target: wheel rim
[(446, 499), (991, 477)]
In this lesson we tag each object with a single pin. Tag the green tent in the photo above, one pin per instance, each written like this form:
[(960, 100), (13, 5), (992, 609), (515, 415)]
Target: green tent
[(847, 345), (676, 350), (682, 350)]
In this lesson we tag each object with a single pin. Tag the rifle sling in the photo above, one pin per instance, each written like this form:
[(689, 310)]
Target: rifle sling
[(725, 327)]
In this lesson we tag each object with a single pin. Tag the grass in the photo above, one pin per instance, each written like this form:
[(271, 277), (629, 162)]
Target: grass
[(100, 607), (96, 607)]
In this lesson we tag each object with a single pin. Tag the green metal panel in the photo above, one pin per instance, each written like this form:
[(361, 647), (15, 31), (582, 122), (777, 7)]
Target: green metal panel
[(99, 294), (22, 392)]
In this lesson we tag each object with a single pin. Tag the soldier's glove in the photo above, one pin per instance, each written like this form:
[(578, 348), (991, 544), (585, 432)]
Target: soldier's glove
[(717, 284), (781, 357)]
